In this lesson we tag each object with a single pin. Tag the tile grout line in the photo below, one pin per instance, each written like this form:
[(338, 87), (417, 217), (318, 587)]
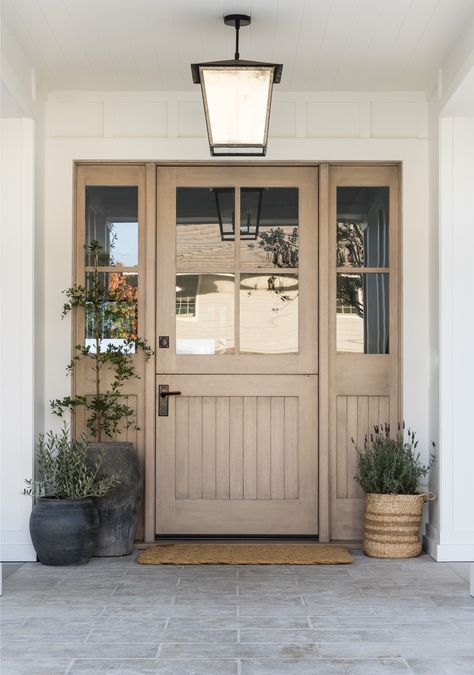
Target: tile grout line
[(410, 669), (69, 666), (88, 636)]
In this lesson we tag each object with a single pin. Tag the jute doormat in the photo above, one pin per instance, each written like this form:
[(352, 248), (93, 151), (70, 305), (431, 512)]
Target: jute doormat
[(245, 554)]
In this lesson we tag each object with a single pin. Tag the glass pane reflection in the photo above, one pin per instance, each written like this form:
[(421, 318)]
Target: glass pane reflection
[(362, 226), (112, 220), (362, 311), (117, 326), (205, 313), (269, 313), (269, 228), (204, 229)]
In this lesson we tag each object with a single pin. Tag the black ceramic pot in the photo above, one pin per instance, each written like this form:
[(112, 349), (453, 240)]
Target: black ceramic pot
[(118, 510), (64, 531)]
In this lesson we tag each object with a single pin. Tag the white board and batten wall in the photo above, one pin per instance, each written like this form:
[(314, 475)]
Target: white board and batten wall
[(309, 127)]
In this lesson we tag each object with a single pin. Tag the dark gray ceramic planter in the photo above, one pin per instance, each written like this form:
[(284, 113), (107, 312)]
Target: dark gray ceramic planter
[(118, 510), (64, 531)]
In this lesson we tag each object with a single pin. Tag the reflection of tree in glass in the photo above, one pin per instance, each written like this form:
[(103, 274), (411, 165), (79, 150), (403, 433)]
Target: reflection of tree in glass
[(119, 317), (281, 248), (126, 295), (350, 244), (349, 291), (278, 286)]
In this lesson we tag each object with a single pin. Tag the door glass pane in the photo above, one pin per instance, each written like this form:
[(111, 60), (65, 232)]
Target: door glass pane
[(205, 229), (204, 313), (119, 321), (112, 220), (362, 226), (269, 313), (362, 311), (268, 228)]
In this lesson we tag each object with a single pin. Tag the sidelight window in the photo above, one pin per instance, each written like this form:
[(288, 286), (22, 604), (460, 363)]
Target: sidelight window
[(362, 254), (111, 218)]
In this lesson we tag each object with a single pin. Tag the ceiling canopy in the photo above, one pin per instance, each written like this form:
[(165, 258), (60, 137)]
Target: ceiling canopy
[(324, 44)]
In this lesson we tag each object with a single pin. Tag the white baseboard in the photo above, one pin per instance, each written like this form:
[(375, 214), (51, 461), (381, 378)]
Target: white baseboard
[(18, 552), (450, 550)]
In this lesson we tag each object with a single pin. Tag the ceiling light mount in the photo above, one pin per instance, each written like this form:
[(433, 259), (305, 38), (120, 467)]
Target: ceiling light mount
[(237, 20), (237, 98)]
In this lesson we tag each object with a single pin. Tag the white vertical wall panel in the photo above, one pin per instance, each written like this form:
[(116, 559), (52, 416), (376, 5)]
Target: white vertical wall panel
[(178, 114), (191, 121), (333, 119), (17, 335), (140, 119), (75, 118), (394, 118), (455, 538), (283, 119)]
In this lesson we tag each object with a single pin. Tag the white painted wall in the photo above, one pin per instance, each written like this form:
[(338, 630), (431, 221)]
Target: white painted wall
[(451, 534), (16, 337), (21, 136)]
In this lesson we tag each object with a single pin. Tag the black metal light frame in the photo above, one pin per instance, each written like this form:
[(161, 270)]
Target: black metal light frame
[(237, 21), (245, 234)]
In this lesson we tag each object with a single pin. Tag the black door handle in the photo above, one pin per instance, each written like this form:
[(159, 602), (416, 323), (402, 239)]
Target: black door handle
[(163, 398)]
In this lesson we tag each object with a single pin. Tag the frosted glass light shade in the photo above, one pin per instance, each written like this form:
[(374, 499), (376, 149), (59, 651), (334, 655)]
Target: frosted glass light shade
[(237, 107)]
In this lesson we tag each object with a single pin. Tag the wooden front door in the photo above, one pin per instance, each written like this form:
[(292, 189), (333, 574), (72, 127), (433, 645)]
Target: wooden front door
[(237, 336)]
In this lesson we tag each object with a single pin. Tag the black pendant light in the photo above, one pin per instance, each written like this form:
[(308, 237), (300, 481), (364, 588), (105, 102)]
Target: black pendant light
[(237, 97)]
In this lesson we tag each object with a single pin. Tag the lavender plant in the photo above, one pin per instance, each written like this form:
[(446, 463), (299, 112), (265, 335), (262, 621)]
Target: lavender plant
[(388, 464)]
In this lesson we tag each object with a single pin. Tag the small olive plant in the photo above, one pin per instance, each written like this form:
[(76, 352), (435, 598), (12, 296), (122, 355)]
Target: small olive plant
[(65, 469), (388, 464), (110, 310)]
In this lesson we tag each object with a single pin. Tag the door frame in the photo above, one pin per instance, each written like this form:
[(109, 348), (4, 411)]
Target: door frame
[(285, 513), (149, 307)]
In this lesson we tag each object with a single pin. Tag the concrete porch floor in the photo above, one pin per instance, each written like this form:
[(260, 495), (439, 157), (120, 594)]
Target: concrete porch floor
[(114, 616)]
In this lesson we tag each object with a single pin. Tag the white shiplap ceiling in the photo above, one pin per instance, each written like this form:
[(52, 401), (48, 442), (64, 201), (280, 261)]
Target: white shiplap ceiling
[(323, 44)]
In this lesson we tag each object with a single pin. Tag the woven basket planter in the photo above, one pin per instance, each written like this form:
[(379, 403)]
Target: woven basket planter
[(392, 524)]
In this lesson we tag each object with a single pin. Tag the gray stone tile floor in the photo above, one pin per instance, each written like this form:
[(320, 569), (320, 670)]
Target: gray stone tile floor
[(115, 616)]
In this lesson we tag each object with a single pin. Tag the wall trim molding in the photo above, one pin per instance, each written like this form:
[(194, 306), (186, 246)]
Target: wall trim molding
[(17, 551)]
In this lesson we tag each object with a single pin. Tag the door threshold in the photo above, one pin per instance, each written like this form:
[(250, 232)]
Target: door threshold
[(268, 539), (236, 537)]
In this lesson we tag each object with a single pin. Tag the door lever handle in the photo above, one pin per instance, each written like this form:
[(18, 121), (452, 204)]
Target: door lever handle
[(163, 399)]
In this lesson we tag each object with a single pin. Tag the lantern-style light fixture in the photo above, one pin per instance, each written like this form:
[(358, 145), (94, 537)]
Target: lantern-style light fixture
[(250, 218), (237, 97)]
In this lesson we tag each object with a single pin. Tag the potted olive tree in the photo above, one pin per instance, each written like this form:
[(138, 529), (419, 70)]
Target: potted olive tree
[(64, 522), (391, 473), (109, 310)]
